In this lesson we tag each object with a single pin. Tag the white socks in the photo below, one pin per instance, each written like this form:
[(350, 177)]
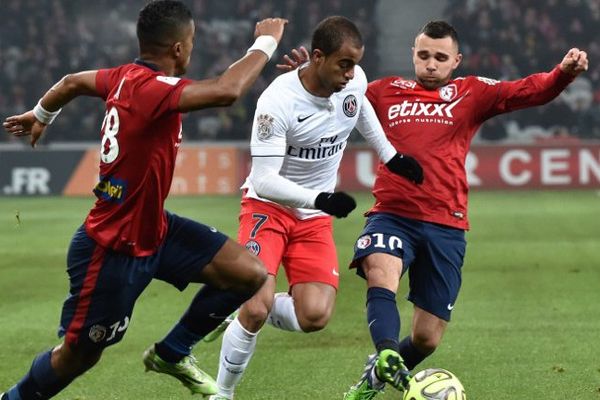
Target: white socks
[(238, 343), (237, 349), (283, 314)]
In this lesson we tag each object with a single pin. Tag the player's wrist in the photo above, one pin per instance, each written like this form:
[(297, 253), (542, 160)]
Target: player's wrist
[(44, 116), (265, 43)]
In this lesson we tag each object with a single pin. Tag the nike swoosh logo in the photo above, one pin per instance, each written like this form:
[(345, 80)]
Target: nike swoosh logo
[(450, 307), (231, 362), (302, 119), (335, 272)]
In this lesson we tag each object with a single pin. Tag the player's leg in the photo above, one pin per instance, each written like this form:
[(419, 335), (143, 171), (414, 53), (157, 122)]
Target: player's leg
[(231, 275), (311, 266), (239, 339), (435, 281), (381, 252), (103, 288), (194, 252), (426, 335), (263, 230), (52, 371)]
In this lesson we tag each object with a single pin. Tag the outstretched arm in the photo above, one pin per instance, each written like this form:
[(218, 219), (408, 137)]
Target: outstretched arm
[(34, 122), (533, 90), (238, 78)]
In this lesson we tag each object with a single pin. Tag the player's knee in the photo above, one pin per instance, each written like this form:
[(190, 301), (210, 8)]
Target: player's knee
[(426, 342), (254, 314), (73, 361), (381, 274), (313, 319)]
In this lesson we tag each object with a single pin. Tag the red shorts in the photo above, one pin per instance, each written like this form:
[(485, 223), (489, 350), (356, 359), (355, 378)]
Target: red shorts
[(304, 247)]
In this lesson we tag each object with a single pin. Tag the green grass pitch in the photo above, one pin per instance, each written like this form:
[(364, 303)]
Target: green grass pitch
[(526, 325)]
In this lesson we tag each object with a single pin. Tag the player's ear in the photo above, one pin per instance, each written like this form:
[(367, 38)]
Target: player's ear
[(176, 48), (317, 56), (457, 61)]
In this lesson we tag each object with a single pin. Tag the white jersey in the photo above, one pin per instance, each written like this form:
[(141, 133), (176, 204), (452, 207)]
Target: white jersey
[(309, 134)]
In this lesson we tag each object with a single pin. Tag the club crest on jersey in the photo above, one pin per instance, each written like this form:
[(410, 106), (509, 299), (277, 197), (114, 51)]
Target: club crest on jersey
[(264, 123), (253, 247), (363, 242), (97, 333), (350, 106), (448, 92)]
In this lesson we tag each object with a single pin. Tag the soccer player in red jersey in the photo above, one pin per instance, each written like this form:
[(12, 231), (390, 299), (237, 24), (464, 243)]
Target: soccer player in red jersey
[(421, 229), (128, 238)]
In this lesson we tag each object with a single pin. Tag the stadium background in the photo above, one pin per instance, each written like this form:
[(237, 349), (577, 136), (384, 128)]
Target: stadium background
[(527, 320), (552, 146)]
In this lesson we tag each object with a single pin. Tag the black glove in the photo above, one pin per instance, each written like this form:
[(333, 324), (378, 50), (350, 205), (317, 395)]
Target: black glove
[(407, 167), (338, 204)]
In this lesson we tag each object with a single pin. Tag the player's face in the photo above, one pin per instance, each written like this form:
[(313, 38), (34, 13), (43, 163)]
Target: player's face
[(184, 49), (435, 60), (337, 69)]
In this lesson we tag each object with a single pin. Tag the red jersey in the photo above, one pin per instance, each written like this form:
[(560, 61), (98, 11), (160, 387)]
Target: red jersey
[(436, 127), (141, 134)]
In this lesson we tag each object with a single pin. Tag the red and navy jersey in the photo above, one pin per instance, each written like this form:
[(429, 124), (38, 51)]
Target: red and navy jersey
[(436, 127), (141, 134)]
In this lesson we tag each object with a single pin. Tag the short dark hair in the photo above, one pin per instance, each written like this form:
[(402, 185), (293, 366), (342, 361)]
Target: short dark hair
[(160, 23), (331, 33), (440, 30)]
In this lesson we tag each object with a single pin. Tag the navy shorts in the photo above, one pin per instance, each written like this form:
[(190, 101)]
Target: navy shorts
[(433, 254), (104, 284)]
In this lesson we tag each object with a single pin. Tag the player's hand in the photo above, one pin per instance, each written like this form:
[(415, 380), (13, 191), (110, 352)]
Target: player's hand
[(270, 26), (575, 62), (406, 166), (25, 125), (299, 57), (338, 204)]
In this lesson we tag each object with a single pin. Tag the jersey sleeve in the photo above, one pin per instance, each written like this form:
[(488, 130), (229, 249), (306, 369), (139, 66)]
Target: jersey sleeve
[(270, 126), (498, 97), (369, 127), (268, 148), (106, 79)]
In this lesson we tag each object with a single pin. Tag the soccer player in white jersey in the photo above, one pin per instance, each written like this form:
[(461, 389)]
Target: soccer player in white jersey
[(301, 127)]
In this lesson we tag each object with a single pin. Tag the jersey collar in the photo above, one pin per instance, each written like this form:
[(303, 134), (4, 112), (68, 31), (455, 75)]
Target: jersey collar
[(146, 64)]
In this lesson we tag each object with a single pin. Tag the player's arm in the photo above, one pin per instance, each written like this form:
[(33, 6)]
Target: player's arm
[(538, 89), (268, 148), (269, 184), (34, 122), (401, 164), (240, 76)]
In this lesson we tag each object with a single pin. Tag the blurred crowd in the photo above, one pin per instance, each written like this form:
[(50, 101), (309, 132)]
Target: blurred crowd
[(42, 40), (509, 39)]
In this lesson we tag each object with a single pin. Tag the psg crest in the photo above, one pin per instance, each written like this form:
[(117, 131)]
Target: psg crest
[(448, 92), (350, 106), (253, 247)]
